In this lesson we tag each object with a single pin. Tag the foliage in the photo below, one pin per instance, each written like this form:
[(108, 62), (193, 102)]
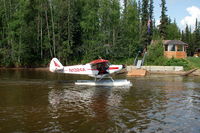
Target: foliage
[(178, 62), (129, 37), (151, 21), (32, 32), (194, 62), (163, 20), (128, 61), (155, 55), (172, 31), (144, 40), (192, 38)]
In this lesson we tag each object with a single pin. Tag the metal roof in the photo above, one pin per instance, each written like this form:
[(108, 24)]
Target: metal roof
[(166, 42), (177, 42)]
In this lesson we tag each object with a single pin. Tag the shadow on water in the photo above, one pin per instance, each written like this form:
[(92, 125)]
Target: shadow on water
[(39, 101)]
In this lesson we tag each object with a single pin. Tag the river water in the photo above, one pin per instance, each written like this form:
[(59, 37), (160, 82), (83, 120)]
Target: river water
[(40, 101)]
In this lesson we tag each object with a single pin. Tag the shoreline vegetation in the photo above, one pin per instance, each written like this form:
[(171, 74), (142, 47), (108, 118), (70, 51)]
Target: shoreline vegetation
[(181, 73), (32, 32), (155, 57)]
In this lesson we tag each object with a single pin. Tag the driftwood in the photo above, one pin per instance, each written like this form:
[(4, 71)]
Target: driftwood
[(190, 72)]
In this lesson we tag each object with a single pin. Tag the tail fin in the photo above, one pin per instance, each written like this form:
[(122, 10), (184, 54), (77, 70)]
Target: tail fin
[(55, 65)]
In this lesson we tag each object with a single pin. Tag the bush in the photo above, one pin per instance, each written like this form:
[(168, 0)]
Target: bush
[(178, 62), (194, 61), (155, 55)]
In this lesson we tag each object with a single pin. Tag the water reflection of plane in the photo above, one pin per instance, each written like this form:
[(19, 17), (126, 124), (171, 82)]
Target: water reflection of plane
[(95, 103), (100, 104)]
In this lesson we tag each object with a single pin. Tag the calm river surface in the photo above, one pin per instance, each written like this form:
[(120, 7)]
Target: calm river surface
[(40, 101)]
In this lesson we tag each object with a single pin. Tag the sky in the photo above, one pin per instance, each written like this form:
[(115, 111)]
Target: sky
[(183, 11)]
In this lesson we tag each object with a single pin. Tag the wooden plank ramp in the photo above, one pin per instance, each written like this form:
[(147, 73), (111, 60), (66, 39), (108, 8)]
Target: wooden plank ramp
[(137, 72)]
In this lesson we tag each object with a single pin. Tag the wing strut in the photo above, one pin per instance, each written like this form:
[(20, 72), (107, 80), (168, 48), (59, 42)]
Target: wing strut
[(105, 76)]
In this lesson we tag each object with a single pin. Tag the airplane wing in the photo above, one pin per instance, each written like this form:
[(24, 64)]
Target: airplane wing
[(104, 67), (98, 61)]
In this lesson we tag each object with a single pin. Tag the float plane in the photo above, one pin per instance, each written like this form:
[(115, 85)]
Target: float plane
[(99, 69)]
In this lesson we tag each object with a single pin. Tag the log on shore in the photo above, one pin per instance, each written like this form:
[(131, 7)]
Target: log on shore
[(189, 72)]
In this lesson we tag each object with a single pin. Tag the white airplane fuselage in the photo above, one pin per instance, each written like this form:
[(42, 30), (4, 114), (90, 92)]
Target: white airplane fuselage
[(87, 69)]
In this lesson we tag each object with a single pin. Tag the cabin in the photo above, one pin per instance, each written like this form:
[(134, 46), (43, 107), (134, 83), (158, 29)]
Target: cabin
[(174, 48)]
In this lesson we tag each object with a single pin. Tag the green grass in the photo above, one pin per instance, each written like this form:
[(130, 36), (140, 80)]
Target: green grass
[(178, 62), (194, 62), (188, 63)]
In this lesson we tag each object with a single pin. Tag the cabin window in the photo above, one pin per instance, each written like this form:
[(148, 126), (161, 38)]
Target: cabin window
[(171, 47), (94, 66), (180, 48), (166, 47)]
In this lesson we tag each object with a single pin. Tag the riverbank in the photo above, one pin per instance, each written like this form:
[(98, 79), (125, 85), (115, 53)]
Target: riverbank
[(166, 70), (196, 73)]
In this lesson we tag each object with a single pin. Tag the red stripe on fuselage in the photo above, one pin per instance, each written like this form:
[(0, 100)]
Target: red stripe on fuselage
[(110, 68), (113, 68)]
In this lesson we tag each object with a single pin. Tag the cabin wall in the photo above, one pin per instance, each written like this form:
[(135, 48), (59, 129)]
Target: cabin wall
[(176, 53)]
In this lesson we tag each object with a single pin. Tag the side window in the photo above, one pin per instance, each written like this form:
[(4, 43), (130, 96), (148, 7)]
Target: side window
[(180, 48), (94, 66), (171, 47), (166, 47)]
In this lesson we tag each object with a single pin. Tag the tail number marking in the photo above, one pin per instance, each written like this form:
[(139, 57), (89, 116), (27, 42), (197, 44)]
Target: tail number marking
[(76, 69)]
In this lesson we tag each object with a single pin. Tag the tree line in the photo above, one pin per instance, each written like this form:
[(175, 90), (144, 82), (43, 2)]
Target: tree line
[(34, 31)]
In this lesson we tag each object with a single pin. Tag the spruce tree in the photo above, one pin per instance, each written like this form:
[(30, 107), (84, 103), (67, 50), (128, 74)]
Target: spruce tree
[(140, 19), (90, 27), (163, 20), (187, 34), (187, 39), (196, 35), (139, 9), (172, 31), (144, 30), (150, 21), (129, 32)]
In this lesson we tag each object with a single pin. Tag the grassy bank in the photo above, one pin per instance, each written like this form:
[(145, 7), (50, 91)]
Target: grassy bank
[(194, 62), (188, 63)]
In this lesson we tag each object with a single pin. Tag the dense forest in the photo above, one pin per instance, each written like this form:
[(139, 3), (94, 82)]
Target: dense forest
[(34, 31)]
